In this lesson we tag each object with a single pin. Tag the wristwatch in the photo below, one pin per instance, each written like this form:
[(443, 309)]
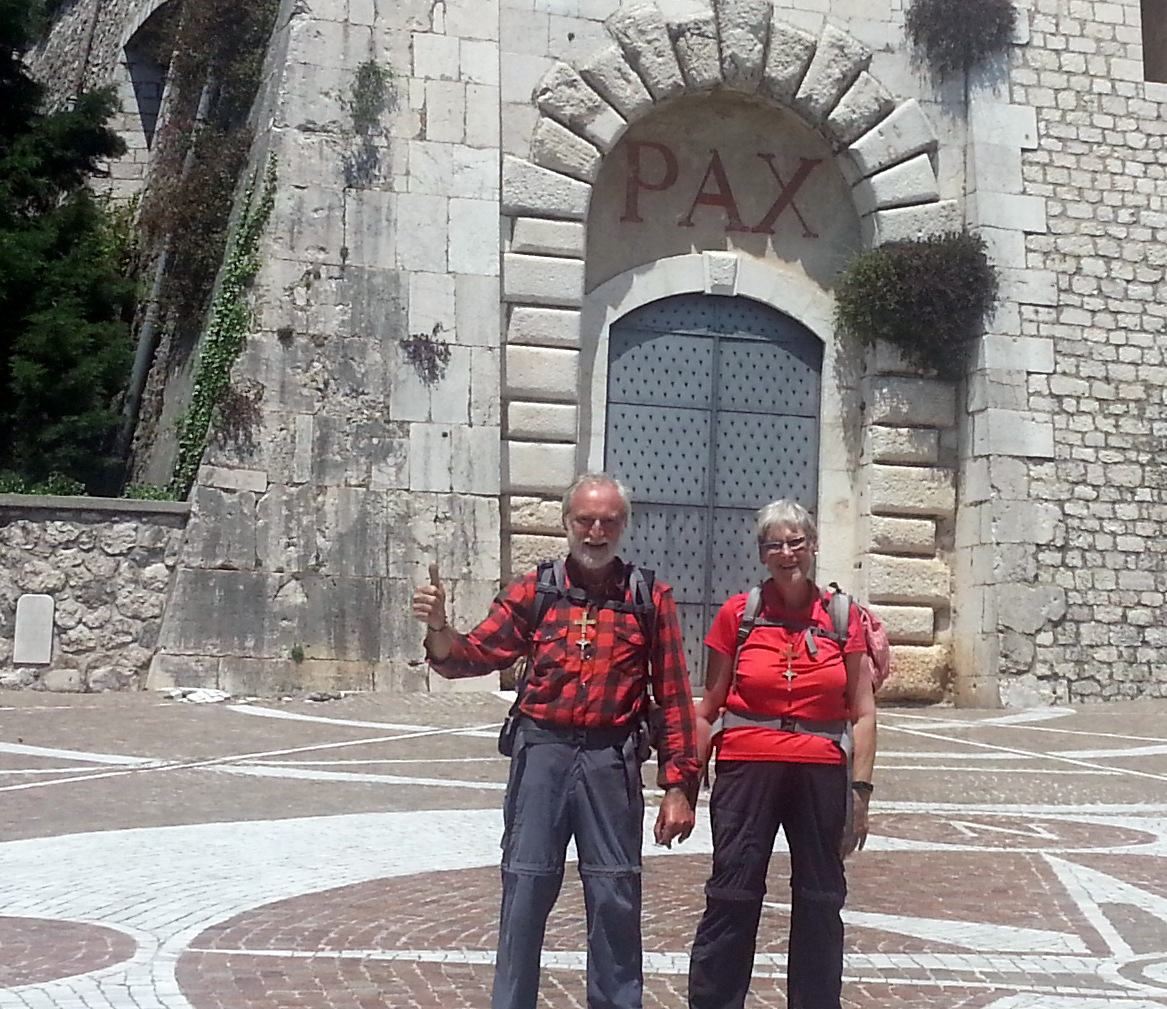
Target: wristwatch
[(866, 787)]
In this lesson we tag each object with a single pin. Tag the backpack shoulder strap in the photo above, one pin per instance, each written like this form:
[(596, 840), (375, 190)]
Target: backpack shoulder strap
[(749, 617), (640, 585), (550, 584), (839, 610)]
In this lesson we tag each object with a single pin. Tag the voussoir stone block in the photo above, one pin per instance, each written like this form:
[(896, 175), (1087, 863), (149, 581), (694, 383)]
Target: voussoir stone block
[(566, 97), (910, 182), (542, 280), (912, 490), (791, 52), (918, 674), (889, 535), (908, 625), (529, 189), (905, 132), (744, 25), (903, 224), (608, 73), (911, 581), (911, 446), (641, 30), (865, 104), (698, 52), (542, 373), (838, 61), (554, 146)]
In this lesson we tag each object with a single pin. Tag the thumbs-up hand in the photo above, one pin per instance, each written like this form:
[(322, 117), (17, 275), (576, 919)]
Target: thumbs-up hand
[(429, 602)]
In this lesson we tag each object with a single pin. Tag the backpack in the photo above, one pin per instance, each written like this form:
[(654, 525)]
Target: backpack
[(839, 611), (551, 586)]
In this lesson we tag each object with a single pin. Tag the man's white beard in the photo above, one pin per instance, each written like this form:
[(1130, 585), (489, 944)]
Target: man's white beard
[(591, 557)]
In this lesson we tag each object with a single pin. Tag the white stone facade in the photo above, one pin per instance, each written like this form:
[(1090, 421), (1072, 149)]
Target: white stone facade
[(1007, 528)]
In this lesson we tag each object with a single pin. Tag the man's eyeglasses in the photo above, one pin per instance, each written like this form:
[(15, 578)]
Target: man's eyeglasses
[(584, 523), (794, 544)]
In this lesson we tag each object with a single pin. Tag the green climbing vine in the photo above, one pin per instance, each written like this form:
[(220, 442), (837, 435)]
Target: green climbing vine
[(226, 331)]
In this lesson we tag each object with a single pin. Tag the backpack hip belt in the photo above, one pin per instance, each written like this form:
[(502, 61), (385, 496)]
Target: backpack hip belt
[(838, 731)]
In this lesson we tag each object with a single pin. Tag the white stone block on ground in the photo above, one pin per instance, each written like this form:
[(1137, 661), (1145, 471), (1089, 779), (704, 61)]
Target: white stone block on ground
[(33, 645)]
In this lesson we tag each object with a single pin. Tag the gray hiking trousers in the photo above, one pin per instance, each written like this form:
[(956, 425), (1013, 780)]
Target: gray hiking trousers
[(583, 784)]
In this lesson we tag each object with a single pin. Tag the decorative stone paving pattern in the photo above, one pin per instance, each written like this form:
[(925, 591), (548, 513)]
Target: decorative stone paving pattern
[(35, 950)]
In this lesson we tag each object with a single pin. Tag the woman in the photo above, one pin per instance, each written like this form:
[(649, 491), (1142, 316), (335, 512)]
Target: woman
[(796, 688)]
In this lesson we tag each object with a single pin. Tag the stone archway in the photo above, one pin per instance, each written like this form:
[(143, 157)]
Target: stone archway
[(885, 150), (883, 147)]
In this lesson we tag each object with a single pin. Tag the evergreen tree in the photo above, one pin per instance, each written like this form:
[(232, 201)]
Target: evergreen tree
[(65, 302)]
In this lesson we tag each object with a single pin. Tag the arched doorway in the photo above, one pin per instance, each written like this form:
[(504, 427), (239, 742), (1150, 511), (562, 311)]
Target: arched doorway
[(713, 410)]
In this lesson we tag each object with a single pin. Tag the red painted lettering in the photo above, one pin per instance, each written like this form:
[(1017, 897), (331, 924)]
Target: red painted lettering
[(786, 196), (720, 196), (636, 181)]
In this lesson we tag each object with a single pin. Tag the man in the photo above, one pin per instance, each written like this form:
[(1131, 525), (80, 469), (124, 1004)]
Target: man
[(575, 770)]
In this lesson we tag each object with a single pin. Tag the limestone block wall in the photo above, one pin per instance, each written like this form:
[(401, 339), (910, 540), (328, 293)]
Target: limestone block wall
[(108, 567), (1080, 501), (375, 355)]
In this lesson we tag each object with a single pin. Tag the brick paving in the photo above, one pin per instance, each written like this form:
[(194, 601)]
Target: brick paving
[(291, 855)]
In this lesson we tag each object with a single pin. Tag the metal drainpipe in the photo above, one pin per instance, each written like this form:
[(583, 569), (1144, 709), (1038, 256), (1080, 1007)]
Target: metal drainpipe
[(148, 334)]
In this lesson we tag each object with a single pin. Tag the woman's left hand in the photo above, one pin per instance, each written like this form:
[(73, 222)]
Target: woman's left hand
[(858, 836)]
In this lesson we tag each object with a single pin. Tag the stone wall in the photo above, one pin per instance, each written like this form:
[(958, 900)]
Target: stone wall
[(107, 565), (1084, 614)]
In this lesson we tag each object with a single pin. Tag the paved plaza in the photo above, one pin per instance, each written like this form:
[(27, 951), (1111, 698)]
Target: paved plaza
[(343, 854)]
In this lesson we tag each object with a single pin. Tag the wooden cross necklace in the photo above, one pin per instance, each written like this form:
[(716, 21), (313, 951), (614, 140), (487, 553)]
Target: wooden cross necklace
[(583, 623)]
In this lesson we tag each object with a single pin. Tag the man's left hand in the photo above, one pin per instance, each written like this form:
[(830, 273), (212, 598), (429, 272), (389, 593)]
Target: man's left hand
[(675, 819)]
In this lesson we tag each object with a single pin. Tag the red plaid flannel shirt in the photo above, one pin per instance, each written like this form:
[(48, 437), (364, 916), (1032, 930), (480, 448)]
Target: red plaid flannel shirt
[(599, 686)]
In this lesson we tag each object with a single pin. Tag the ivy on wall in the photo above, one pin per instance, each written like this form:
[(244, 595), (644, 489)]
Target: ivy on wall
[(929, 298), (226, 332)]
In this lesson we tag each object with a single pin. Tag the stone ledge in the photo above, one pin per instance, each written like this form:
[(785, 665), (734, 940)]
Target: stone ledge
[(78, 503)]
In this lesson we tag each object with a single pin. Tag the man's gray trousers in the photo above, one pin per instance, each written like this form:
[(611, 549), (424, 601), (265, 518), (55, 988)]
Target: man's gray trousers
[(583, 784)]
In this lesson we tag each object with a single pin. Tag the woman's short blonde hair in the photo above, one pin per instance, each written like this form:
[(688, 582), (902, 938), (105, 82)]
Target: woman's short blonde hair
[(786, 513)]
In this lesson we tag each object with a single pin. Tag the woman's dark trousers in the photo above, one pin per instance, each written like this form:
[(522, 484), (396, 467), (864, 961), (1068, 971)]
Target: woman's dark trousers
[(750, 801), (565, 784)]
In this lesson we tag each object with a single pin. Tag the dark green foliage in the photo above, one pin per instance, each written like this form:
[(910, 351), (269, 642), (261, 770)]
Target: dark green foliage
[(371, 96), (147, 492), (65, 301), (955, 35), (54, 483), (929, 298)]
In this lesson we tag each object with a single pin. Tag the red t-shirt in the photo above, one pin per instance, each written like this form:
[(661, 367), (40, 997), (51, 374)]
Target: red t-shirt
[(816, 688)]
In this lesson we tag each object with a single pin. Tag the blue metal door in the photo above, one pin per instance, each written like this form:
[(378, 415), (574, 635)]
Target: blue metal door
[(713, 406)]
